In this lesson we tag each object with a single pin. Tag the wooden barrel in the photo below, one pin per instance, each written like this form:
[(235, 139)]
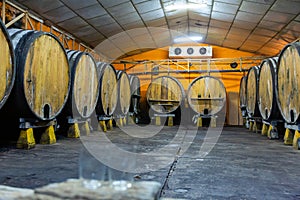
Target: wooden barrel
[(135, 87), (108, 93), (252, 92), (242, 96), (42, 77), (165, 94), (7, 65), (84, 92), (206, 95), (266, 90), (288, 82), (124, 92)]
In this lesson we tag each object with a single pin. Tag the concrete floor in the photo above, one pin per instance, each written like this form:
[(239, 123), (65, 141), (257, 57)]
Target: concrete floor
[(241, 165)]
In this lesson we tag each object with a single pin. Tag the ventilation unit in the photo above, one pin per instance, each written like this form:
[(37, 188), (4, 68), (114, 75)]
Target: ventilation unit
[(190, 52)]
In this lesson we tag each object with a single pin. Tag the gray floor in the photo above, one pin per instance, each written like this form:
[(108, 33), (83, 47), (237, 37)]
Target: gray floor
[(240, 165)]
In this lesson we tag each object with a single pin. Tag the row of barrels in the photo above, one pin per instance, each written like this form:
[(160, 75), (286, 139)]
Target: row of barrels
[(41, 80), (206, 95), (271, 90)]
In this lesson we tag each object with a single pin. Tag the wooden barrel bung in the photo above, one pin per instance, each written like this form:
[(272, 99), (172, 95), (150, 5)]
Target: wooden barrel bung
[(108, 93), (266, 89), (84, 84), (252, 92), (124, 91), (43, 76), (288, 82), (206, 95), (165, 94), (242, 95), (7, 65), (135, 87)]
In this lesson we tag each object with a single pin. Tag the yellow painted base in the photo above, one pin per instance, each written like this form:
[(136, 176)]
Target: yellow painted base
[(254, 127), (48, 137), (269, 131), (170, 121), (199, 122), (157, 121), (288, 137), (110, 124), (265, 129), (103, 126), (295, 140), (213, 122), (86, 128), (120, 122), (250, 126), (74, 131), (124, 121), (26, 139)]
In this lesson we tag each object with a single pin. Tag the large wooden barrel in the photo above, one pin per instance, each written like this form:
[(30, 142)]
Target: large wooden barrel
[(266, 90), (252, 92), (7, 65), (206, 95), (124, 92), (288, 82), (165, 94), (108, 93), (84, 93), (135, 87), (42, 77), (242, 96)]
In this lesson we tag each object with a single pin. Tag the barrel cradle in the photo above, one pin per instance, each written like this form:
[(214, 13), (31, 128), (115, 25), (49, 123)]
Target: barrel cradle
[(252, 92), (206, 95), (7, 65), (266, 90), (242, 96), (288, 83), (83, 95)]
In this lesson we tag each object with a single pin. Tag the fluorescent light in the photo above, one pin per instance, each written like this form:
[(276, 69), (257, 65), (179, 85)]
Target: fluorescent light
[(188, 39), (181, 6)]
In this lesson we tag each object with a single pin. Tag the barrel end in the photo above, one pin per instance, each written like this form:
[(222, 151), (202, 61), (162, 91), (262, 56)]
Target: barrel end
[(48, 137), (26, 139)]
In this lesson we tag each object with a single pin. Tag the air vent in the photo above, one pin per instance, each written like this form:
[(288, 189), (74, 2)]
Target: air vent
[(190, 52)]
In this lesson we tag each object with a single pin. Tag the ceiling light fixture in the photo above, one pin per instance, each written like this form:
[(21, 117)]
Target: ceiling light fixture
[(188, 39), (182, 6)]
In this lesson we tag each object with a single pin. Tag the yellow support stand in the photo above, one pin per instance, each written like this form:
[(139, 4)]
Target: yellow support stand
[(199, 122), (265, 129), (86, 128), (48, 137), (288, 137), (295, 140), (157, 121), (250, 126), (26, 139), (213, 122), (74, 131), (110, 124), (102, 125), (254, 127), (120, 122), (269, 131), (124, 121), (170, 121)]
